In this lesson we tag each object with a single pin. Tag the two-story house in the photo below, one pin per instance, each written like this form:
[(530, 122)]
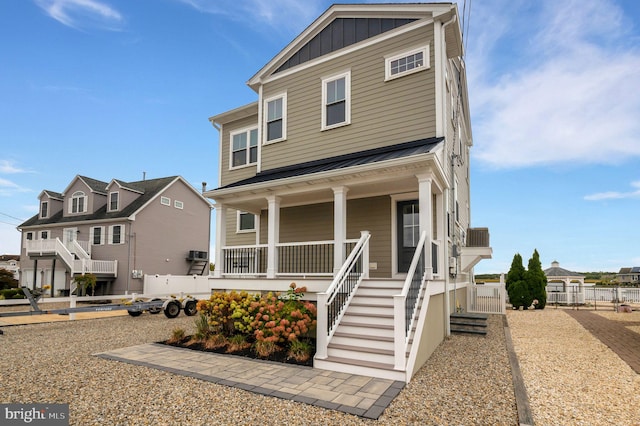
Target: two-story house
[(629, 275), (118, 231), (350, 176), (11, 262)]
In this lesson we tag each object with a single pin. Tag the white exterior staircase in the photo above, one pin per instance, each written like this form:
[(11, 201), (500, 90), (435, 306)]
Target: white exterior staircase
[(363, 342)]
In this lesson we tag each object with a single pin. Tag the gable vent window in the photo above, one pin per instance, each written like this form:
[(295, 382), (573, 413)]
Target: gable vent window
[(178, 204), (407, 62), (165, 201)]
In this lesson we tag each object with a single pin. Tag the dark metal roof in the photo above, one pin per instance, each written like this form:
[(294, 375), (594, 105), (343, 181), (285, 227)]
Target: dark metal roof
[(392, 152), (556, 271), (150, 188)]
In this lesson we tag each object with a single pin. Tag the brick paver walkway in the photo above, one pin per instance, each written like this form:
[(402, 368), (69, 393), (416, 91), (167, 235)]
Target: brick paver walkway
[(614, 334)]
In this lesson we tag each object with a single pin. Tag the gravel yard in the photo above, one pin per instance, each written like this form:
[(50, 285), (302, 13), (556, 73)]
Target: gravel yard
[(570, 376)]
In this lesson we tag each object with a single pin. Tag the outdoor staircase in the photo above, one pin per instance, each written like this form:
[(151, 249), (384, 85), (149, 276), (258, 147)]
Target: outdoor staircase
[(363, 341), (465, 323)]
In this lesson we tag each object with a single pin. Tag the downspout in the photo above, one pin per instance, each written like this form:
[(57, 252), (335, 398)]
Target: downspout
[(447, 301)]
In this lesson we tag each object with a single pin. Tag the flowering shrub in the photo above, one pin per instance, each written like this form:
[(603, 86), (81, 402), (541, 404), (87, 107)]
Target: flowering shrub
[(274, 321)]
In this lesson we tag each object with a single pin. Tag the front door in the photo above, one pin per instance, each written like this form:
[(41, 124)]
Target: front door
[(69, 235), (408, 232)]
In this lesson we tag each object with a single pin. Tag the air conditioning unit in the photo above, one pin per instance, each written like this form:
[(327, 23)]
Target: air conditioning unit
[(198, 255), (137, 273)]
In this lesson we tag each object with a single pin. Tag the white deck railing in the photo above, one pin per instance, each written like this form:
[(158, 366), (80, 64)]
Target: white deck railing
[(55, 247), (487, 298)]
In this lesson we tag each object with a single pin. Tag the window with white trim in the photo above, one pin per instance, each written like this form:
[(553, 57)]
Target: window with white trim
[(29, 236), (244, 148), (336, 101), (246, 222), (78, 202), (275, 118), (407, 62), (116, 234), (165, 201), (114, 199), (44, 235), (44, 209), (97, 235), (178, 204)]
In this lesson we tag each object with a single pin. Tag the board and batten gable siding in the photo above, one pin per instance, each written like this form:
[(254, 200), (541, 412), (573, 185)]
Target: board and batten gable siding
[(382, 113), (235, 175)]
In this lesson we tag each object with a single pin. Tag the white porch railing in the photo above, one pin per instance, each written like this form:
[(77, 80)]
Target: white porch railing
[(405, 304), (333, 303), (79, 249), (307, 258), (90, 266)]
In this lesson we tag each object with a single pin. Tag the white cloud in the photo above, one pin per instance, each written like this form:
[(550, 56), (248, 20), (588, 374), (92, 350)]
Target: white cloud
[(83, 14), (288, 15), (615, 195), (564, 95), (8, 187), (9, 167)]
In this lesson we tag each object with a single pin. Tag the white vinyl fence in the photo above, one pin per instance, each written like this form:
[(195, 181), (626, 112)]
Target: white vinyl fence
[(487, 298), (595, 294)]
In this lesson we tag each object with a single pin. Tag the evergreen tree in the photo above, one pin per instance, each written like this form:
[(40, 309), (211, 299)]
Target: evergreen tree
[(536, 281), (515, 283)]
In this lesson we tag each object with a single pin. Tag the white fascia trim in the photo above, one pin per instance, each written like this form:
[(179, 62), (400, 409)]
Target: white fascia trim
[(348, 50)]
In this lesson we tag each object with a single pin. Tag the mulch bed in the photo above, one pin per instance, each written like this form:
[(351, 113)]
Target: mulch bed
[(278, 356)]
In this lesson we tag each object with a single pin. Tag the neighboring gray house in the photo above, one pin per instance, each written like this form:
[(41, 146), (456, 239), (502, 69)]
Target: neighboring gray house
[(360, 137), (118, 231), (629, 275)]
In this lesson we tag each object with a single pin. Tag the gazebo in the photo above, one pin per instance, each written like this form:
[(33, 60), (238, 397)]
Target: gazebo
[(564, 286)]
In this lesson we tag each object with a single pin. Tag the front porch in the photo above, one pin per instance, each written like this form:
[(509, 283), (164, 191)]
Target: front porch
[(75, 256)]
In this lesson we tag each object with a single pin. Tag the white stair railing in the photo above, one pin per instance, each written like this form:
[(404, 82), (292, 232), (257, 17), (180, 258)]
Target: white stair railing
[(405, 304), (334, 301)]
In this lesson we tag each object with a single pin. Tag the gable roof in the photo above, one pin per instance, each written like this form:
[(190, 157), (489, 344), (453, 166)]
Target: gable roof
[(318, 39), (631, 270), (51, 194), (150, 189), (391, 152)]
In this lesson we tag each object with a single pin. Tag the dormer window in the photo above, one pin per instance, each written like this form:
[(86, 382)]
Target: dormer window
[(78, 202), (114, 198), (44, 209)]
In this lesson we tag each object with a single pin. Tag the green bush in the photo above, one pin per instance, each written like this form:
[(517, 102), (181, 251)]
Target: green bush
[(12, 293)]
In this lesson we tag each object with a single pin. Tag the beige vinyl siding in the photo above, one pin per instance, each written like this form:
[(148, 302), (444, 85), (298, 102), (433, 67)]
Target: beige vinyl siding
[(235, 238), (315, 223), (382, 113), (230, 176), (373, 215)]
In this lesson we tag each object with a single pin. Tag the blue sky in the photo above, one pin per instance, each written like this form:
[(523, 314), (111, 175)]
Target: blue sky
[(115, 88)]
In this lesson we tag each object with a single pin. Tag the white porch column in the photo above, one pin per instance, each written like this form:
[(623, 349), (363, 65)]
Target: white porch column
[(221, 238), (424, 202), (273, 235), (339, 226)]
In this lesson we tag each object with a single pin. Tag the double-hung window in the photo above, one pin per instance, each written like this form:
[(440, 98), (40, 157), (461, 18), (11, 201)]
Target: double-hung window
[(113, 201), (336, 100), (407, 62), (78, 202), (44, 209), (116, 234), (276, 118), (97, 235), (244, 147)]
